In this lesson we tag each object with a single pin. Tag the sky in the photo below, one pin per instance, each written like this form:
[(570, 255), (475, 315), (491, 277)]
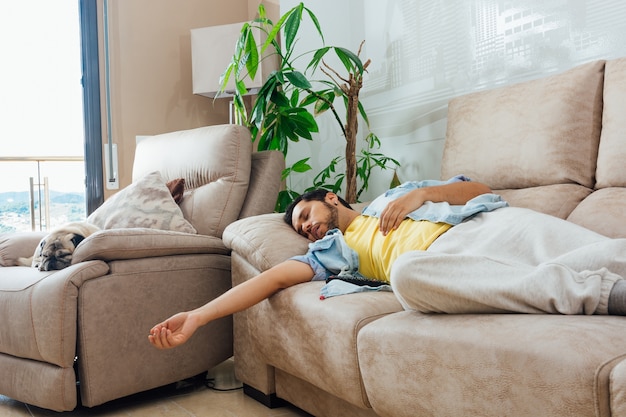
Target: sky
[(41, 101)]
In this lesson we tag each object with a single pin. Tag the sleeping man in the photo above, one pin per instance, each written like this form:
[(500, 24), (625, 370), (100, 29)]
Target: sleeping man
[(445, 247)]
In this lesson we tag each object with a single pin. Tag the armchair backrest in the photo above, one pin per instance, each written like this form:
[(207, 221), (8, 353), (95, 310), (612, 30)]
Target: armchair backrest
[(215, 162), (265, 183)]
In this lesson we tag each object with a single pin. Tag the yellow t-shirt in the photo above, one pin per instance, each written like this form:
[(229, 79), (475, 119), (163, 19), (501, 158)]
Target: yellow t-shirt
[(377, 252)]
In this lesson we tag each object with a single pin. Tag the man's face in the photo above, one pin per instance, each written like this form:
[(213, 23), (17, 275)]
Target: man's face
[(312, 219)]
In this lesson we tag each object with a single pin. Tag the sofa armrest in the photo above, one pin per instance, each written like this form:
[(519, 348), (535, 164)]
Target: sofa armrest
[(264, 240), (136, 243), (18, 245)]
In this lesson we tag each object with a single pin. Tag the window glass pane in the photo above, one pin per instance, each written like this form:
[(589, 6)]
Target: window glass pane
[(55, 188), (40, 78), (42, 125)]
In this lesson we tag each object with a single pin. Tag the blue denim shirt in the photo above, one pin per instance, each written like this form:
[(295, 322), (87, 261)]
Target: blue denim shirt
[(331, 255), (436, 212)]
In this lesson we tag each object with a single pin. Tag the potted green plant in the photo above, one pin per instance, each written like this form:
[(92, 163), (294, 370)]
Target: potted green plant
[(280, 112)]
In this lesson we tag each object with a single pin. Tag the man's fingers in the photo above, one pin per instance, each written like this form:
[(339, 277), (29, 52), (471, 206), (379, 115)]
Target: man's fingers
[(159, 338), (390, 219)]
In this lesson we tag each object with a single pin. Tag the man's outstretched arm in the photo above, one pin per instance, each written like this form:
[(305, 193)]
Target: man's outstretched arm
[(179, 328), (456, 193)]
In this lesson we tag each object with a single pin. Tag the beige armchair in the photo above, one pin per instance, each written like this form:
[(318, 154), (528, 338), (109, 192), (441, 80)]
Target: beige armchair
[(81, 333)]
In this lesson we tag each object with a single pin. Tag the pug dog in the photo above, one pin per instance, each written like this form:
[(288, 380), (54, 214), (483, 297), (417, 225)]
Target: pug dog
[(55, 250)]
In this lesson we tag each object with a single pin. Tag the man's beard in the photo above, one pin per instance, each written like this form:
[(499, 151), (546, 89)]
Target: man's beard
[(333, 216)]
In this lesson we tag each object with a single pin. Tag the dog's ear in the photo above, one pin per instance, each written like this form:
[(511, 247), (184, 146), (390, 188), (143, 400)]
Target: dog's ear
[(77, 239)]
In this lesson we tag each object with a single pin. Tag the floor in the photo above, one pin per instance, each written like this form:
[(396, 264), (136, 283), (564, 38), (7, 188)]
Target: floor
[(191, 398)]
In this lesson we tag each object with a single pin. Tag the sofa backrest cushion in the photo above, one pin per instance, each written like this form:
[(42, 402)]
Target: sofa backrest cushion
[(215, 162), (535, 133), (265, 183), (603, 210), (612, 150)]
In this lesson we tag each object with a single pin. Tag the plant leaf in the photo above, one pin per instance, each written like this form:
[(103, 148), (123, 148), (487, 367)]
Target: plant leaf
[(279, 98), (317, 58), (395, 181), (349, 59), (298, 79), (304, 118), (363, 114), (291, 26), (226, 76), (295, 96), (252, 63), (301, 166), (309, 99), (271, 36), (315, 22)]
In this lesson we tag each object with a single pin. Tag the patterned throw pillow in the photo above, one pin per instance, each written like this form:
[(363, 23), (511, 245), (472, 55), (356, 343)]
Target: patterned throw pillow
[(145, 203)]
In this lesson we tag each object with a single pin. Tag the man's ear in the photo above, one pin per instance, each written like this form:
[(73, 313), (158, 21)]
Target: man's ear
[(332, 199)]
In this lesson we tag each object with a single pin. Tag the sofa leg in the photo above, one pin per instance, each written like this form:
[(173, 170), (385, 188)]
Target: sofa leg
[(270, 401)]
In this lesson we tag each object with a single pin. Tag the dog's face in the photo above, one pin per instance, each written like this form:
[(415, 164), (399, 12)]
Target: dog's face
[(55, 251)]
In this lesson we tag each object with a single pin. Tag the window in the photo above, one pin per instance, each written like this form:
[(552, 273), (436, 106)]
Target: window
[(51, 129), (42, 124)]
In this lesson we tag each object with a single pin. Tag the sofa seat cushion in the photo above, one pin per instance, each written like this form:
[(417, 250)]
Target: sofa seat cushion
[(315, 340), (603, 212), (39, 311), (489, 365)]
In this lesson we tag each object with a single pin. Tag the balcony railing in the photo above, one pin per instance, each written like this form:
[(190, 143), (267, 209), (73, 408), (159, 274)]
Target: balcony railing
[(40, 193)]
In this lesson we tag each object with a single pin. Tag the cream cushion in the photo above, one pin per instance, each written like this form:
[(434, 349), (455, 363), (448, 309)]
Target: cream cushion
[(145, 203)]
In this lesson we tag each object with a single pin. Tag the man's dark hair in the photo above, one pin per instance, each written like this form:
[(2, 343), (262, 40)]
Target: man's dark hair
[(313, 195)]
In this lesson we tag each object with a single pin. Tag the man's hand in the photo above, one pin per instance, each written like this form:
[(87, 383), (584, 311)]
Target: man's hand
[(456, 193), (397, 210), (180, 327), (174, 331)]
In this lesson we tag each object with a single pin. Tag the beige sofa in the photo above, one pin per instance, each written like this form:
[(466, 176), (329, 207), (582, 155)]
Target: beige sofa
[(557, 145), (87, 325)]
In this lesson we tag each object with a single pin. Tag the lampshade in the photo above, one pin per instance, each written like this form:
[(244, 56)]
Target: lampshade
[(212, 49)]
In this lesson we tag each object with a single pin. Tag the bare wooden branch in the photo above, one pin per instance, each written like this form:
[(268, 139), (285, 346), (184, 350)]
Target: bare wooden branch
[(360, 48), (335, 72)]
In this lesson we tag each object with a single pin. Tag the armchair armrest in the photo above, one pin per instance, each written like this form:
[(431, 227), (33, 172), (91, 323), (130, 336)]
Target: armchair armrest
[(135, 243), (18, 245)]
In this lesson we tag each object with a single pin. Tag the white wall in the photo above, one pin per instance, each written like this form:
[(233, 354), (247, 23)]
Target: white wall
[(425, 52)]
